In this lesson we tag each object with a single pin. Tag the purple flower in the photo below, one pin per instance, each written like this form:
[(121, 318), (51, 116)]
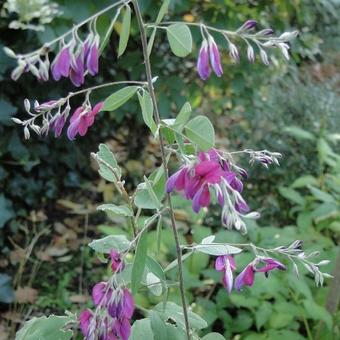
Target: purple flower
[(85, 318), (122, 328), (57, 125), (122, 306), (249, 24), (81, 120), (203, 67), (101, 294), (215, 59), (77, 70), (61, 64), (92, 57), (226, 263), (247, 276), (116, 262)]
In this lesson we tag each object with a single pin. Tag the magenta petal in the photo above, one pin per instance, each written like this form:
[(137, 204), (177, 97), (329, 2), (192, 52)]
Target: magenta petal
[(246, 277), (98, 292), (77, 71), (123, 328), (97, 108), (270, 265), (76, 113), (220, 263), (203, 67), (206, 167), (228, 277), (59, 125), (128, 305), (201, 198), (237, 184), (93, 58), (84, 321), (171, 182), (72, 130), (215, 59), (83, 126)]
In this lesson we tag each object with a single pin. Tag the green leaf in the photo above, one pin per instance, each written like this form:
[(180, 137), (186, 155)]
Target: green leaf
[(46, 328), (162, 11), (107, 164), (6, 291), (146, 105), (144, 198), (299, 133), (141, 330), (122, 210), (183, 116), (263, 314), (201, 132), (119, 98), (105, 39), (180, 39), (321, 195), (213, 336), (106, 244), (303, 181), (125, 32), (317, 312), (217, 249), (154, 284), (292, 195), (175, 312), (6, 210), (155, 267), (139, 262), (174, 263)]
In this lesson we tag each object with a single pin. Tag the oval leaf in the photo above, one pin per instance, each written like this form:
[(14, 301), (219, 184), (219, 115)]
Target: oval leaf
[(180, 39), (119, 98), (106, 244), (146, 105), (201, 132), (122, 210), (217, 249)]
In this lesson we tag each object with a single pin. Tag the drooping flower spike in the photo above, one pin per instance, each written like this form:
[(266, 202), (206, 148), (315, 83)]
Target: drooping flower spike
[(211, 174)]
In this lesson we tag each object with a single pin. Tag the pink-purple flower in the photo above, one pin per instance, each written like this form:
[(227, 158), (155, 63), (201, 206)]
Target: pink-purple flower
[(226, 264), (61, 64), (117, 264), (210, 171), (82, 118), (209, 55), (247, 276)]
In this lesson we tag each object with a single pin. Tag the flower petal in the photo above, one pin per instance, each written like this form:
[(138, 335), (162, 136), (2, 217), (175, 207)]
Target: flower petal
[(203, 67)]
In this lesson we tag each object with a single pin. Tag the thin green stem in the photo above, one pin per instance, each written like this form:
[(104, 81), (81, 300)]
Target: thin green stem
[(163, 155)]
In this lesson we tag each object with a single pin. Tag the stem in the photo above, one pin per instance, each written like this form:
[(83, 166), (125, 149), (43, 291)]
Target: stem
[(162, 149)]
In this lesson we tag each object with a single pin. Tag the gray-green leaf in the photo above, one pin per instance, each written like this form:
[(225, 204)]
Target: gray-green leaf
[(122, 210), (180, 39), (146, 105), (106, 244), (119, 98), (125, 32)]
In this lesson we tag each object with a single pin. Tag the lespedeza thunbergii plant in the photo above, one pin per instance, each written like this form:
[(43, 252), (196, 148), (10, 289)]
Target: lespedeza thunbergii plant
[(205, 175)]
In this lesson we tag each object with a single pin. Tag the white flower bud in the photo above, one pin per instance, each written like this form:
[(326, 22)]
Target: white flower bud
[(264, 57), (27, 105), (17, 120), (27, 133), (9, 52), (250, 54), (287, 36)]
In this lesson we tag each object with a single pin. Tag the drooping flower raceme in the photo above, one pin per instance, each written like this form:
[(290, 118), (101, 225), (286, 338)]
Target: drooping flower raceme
[(210, 173), (114, 309)]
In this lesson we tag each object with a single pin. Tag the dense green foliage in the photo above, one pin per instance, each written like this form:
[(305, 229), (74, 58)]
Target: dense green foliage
[(292, 109)]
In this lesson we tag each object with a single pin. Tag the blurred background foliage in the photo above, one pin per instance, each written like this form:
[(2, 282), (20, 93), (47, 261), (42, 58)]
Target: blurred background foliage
[(48, 189)]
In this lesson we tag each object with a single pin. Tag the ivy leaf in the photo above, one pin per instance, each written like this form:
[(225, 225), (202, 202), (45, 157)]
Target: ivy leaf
[(106, 244), (125, 32), (201, 132), (122, 210), (180, 39), (146, 105), (46, 328), (139, 262), (119, 98)]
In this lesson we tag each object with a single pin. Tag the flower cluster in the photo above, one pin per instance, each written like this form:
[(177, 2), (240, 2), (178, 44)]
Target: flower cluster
[(114, 309), (226, 264), (209, 56), (75, 59), (54, 115), (211, 172)]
